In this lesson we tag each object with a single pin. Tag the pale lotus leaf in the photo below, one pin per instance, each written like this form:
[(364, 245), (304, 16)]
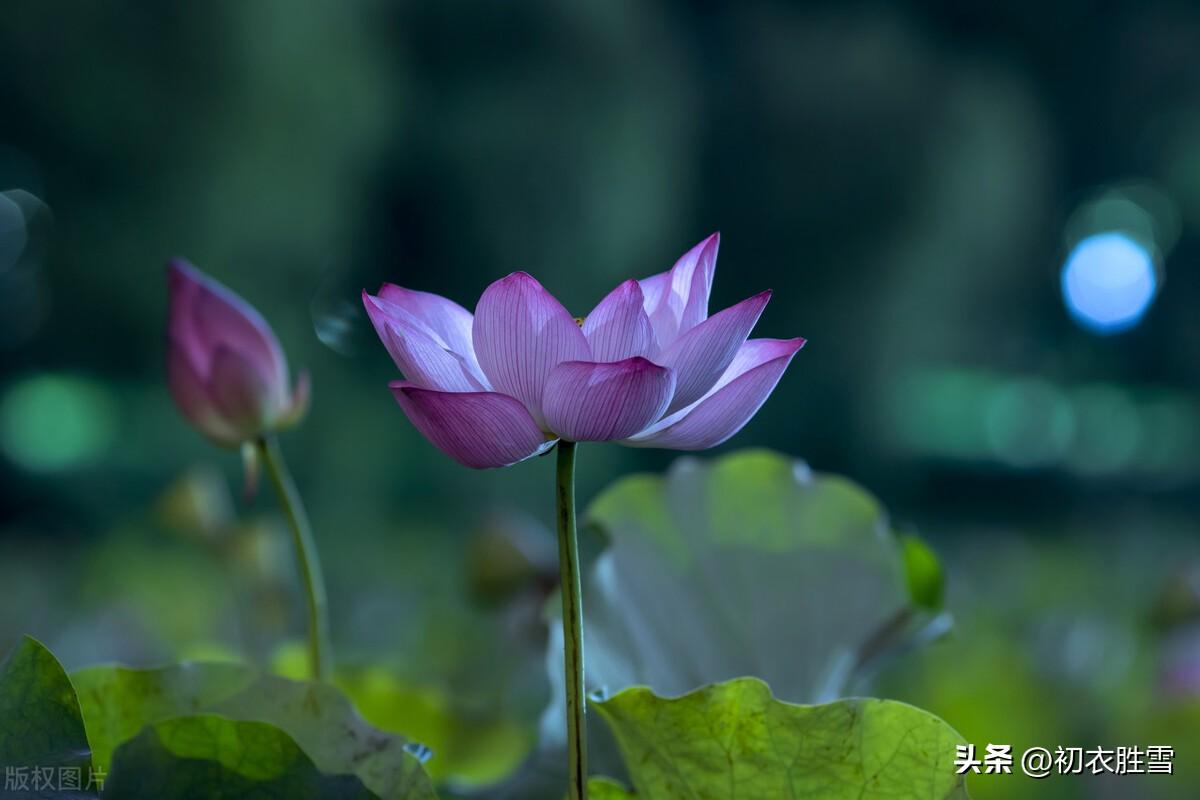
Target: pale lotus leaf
[(748, 564)]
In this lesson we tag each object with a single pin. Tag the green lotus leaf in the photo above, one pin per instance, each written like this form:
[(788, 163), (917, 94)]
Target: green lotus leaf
[(217, 758), (41, 728), (470, 750), (119, 702), (735, 740)]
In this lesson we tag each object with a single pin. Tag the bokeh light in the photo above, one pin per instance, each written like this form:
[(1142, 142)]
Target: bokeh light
[(1028, 422), (1170, 446), (54, 422), (1108, 282), (1093, 430), (936, 410), (1139, 209), (1110, 430)]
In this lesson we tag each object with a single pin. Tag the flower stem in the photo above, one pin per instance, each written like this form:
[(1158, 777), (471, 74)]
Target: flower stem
[(306, 554), (572, 621)]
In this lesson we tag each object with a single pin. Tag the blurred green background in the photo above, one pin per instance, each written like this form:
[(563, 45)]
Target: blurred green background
[(910, 178)]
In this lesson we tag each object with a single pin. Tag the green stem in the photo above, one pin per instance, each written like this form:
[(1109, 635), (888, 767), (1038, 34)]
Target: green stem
[(306, 554), (572, 621)]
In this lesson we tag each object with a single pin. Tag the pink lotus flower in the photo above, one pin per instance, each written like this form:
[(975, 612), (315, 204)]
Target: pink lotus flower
[(225, 368), (648, 367)]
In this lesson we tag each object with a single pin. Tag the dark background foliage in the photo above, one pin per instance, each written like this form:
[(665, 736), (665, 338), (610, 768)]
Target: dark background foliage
[(908, 178)]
